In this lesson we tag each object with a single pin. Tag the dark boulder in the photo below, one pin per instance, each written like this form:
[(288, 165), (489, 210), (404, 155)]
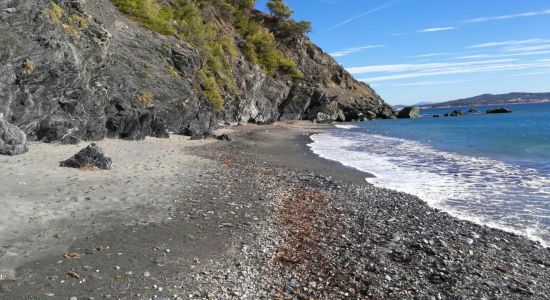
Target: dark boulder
[(13, 140), (501, 110), (409, 113), (224, 137), (435, 116), (456, 113), (91, 156), (473, 111)]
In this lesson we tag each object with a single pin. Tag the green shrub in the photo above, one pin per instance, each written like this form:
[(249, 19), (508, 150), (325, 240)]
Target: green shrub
[(211, 90), (183, 19), (148, 12)]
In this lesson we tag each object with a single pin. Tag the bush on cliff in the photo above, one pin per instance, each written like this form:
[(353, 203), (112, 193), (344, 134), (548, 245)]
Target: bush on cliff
[(183, 19)]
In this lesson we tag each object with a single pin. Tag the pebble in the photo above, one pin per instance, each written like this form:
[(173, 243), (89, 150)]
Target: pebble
[(87, 268)]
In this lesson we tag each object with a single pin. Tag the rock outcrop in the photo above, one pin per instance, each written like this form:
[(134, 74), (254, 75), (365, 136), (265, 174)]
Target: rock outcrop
[(501, 110), (81, 70), (13, 140), (409, 113), (90, 157)]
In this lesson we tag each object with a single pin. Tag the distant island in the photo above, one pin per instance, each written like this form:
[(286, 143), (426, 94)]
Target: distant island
[(489, 99)]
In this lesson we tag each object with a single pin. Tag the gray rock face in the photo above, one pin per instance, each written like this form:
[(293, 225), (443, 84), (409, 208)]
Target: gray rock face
[(13, 140), (409, 113), (91, 156), (110, 77)]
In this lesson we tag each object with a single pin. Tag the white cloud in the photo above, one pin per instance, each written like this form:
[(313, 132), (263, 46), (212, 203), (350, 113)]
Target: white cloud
[(420, 67), (368, 12), (349, 51), (423, 83), (435, 29), (506, 17), (464, 69), (505, 43), (433, 54), (527, 48)]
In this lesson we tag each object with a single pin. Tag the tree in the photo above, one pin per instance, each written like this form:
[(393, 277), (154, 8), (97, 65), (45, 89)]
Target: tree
[(279, 9)]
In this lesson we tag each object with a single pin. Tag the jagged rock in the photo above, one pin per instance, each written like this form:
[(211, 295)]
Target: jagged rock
[(473, 111), (13, 140), (91, 156), (135, 124), (501, 110), (409, 113), (455, 113), (435, 116)]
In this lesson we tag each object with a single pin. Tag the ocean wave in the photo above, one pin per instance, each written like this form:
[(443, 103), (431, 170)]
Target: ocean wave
[(477, 189), (345, 126)]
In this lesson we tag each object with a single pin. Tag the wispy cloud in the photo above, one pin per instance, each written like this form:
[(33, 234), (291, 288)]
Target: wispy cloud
[(435, 29), (428, 55), (526, 48), (368, 12), (409, 71), (505, 43), (420, 67), (423, 83), (505, 17), (349, 51)]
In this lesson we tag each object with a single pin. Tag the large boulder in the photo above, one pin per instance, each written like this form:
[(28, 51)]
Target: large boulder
[(501, 110), (409, 112), (91, 156), (13, 140)]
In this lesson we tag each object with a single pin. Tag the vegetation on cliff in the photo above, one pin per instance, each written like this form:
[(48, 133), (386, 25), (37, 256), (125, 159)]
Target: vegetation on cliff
[(185, 20)]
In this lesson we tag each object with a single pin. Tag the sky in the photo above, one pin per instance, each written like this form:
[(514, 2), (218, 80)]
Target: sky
[(414, 51)]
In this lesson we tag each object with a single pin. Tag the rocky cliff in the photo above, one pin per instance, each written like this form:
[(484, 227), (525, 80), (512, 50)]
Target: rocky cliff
[(75, 69)]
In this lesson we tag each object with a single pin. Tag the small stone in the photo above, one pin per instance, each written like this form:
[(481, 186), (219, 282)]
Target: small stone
[(87, 268), (146, 274)]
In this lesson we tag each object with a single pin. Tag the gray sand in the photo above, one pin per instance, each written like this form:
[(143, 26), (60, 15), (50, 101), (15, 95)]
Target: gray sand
[(45, 207)]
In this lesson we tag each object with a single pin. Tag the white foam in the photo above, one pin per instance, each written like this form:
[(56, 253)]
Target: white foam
[(345, 126), (477, 189)]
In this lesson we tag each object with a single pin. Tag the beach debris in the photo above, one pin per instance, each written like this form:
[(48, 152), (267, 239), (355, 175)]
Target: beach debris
[(71, 255), (119, 277), (90, 158), (13, 141), (72, 273)]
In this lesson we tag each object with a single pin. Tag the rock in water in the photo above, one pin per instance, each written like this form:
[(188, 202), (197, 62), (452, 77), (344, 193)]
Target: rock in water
[(456, 113), (91, 156), (13, 141), (501, 110), (409, 113)]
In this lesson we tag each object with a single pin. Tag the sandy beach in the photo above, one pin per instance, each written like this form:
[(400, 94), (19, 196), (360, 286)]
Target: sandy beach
[(259, 217)]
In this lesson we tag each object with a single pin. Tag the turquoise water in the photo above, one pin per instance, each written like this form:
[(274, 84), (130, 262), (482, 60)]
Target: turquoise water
[(493, 169)]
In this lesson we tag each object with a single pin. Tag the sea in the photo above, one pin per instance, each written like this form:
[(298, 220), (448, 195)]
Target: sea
[(492, 169)]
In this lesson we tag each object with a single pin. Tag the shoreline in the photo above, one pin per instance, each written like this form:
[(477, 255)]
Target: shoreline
[(265, 217)]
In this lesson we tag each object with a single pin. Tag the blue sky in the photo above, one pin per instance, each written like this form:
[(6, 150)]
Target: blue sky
[(435, 50)]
